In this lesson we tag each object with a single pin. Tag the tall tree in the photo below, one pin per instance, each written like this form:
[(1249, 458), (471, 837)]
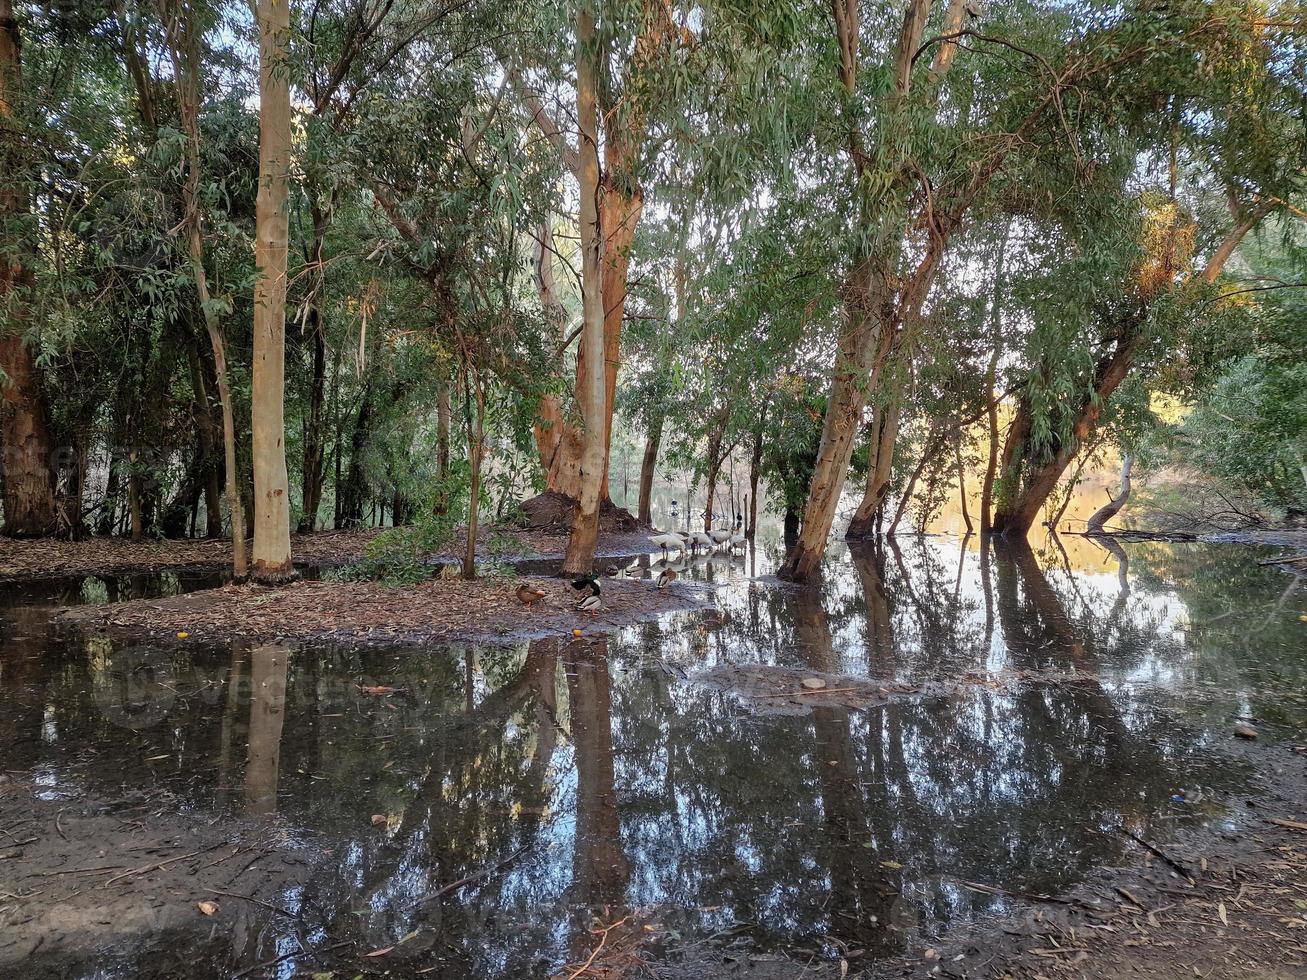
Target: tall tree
[(272, 561), (182, 35), (28, 470), (579, 558)]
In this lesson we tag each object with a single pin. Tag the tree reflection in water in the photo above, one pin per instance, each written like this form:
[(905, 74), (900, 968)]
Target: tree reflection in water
[(566, 781)]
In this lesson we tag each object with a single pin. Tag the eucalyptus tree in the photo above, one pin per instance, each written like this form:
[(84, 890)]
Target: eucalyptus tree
[(967, 113), (1229, 156), (636, 55), (272, 560), (182, 33), (25, 428)]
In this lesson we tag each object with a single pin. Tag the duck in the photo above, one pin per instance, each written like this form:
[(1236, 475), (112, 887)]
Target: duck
[(590, 603), (666, 542), (529, 595), (587, 584), (666, 578)]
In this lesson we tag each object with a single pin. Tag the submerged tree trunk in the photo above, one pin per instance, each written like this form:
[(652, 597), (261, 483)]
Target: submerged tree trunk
[(29, 475), (648, 466), (1029, 476), (272, 561), (579, 558), (932, 446), (1113, 507), (962, 481), (864, 342), (1028, 479)]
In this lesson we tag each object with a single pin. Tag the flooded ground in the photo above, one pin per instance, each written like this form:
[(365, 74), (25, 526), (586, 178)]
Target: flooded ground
[(481, 811)]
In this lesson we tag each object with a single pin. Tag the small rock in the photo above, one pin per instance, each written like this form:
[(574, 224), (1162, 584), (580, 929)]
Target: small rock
[(1245, 731), (813, 683), (208, 908), (379, 820)]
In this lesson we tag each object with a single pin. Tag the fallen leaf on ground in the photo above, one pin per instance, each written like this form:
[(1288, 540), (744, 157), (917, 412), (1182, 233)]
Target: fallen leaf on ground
[(208, 908)]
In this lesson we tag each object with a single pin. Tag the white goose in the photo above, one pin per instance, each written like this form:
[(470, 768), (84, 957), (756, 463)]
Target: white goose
[(700, 538), (719, 537), (667, 542)]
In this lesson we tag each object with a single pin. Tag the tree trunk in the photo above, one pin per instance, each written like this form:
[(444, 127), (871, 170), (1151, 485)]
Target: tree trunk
[(1028, 481), (991, 378), (647, 467), (272, 561), (581, 544), (863, 344), (880, 471), (1113, 507), (934, 442), (351, 492), (714, 468), (183, 49), (313, 469), (206, 440), (29, 484), (755, 468), (475, 451), (962, 482)]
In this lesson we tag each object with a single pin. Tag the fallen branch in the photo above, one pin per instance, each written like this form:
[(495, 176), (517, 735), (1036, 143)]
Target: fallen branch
[(455, 885), (603, 938), (287, 956), (257, 901), (146, 869), (1158, 852), (976, 886), (1283, 561)]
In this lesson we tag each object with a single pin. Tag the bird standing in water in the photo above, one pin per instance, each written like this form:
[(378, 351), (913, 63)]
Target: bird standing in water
[(667, 577)]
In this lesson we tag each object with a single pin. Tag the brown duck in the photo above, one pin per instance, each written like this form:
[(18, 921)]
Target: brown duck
[(529, 595)]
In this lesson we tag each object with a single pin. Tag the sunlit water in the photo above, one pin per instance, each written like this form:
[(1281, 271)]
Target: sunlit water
[(595, 777)]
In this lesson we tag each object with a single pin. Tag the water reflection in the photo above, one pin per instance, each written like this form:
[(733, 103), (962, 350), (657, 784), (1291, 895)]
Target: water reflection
[(489, 805)]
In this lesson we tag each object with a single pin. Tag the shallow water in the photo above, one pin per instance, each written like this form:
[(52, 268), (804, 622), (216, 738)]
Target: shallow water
[(582, 779)]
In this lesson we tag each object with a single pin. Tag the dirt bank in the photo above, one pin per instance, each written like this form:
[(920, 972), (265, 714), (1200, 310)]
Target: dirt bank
[(368, 613), (50, 557)]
